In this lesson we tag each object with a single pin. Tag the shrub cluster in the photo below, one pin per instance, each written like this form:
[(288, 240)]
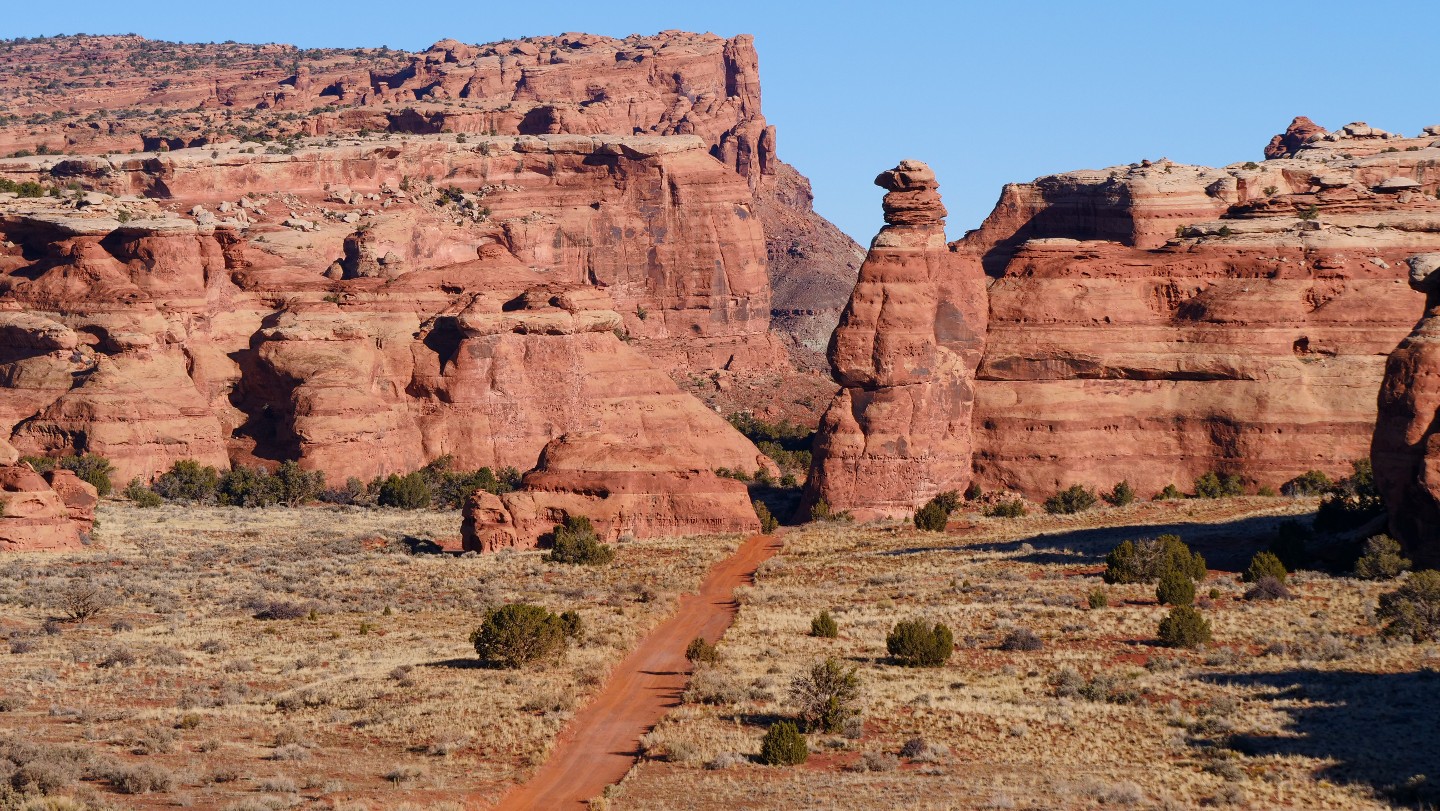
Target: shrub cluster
[(519, 634), (1146, 560), (1012, 508), (1214, 485), (788, 444), (1413, 610), (1292, 545), (827, 695), (935, 514), (768, 522), (824, 626), (1309, 483), (699, 651), (917, 643), (1263, 565), (1383, 559), (1073, 499), (1350, 502), (1120, 495), (575, 542), (1184, 627), (783, 745)]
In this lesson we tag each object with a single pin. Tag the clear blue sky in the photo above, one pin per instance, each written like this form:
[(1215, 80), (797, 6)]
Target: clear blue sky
[(987, 93)]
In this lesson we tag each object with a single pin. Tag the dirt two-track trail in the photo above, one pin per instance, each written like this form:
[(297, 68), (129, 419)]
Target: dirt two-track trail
[(600, 744)]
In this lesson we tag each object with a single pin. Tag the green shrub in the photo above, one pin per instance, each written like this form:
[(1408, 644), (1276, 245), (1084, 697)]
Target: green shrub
[(1120, 495), (701, 651), (248, 487), (91, 468), (932, 517), (824, 626), (519, 634), (973, 492), (1309, 483), (1291, 545), (1350, 502), (450, 488), (821, 511), (1097, 598), (768, 522), (827, 696), (916, 643), (1267, 588), (188, 481), (297, 485), (1013, 508), (569, 620), (1413, 610), (408, 492), (576, 542), (1170, 492), (1184, 627), (1146, 560), (783, 745), (141, 495), (1072, 499), (948, 500), (1175, 588), (1213, 485), (1383, 559), (1265, 564)]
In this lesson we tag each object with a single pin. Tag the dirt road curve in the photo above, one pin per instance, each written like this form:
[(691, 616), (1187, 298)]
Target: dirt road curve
[(601, 742)]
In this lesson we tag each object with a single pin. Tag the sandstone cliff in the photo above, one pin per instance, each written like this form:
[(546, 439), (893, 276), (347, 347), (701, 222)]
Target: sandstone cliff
[(1406, 447), (1156, 321), (905, 355)]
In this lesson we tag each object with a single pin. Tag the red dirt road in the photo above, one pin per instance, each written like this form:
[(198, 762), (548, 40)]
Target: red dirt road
[(601, 742)]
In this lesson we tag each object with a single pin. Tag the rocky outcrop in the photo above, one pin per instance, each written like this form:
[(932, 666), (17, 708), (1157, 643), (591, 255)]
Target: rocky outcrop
[(36, 517), (905, 355), (1156, 321), (1406, 448), (623, 485), (1300, 132)]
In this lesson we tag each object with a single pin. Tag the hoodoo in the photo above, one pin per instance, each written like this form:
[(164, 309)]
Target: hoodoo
[(904, 354), (1406, 449)]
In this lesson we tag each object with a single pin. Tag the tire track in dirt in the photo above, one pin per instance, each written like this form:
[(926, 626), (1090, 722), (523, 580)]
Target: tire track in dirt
[(601, 742)]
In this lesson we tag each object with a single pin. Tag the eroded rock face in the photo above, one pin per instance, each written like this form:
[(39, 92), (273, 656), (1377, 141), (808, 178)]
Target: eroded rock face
[(1300, 132), (1156, 321), (40, 518), (905, 355), (625, 488), (1406, 448)]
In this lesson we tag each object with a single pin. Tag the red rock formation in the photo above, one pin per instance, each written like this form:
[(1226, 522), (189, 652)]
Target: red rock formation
[(1300, 132), (1406, 448), (36, 517), (904, 355), (1157, 321), (623, 486)]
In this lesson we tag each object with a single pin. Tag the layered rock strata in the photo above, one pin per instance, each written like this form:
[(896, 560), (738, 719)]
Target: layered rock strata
[(1406, 448), (43, 513), (904, 354), (1156, 321)]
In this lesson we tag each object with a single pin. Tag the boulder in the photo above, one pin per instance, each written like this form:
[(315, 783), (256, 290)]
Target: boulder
[(35, 517)]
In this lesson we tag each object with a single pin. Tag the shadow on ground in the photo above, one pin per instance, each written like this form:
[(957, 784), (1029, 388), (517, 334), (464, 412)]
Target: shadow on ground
[(1380, 730), (1226, 545)]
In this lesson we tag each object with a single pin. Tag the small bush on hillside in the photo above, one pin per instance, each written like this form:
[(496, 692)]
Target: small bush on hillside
[(827, 696), (1169, 493), (1097, 598), (1120, 495), (1213, 485), (1383, 559), (1291, 545), (248, 487), (573, 625), (1350, 502), (699, 651), (1184, 627), (824, 626), (917, 643), (1175, 588), (79, 600), (932, 517), (576, 542), (1268, 588), (519, 634), (1413, 610), (88, 467), (449, 488), (188, 481), (1265, 564), (1013, 508), (1309, 483), (1146, 560), (1021, 639), (299, 486), (974, 492), (140, 495), (821, 511), (408, 492), (783, 745), (768, 521), (1073, 499)]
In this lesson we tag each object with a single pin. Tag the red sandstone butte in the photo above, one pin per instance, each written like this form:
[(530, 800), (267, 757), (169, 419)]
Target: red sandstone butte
[(1406, 448), (905, 355), (1156, 321), (39, 517)]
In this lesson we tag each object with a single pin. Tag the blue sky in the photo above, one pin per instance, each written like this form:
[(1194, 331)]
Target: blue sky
[(987, 93)]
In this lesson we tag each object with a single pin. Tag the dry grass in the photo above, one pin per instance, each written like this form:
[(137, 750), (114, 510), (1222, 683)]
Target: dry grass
[(1296, 704), (365, 694)]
